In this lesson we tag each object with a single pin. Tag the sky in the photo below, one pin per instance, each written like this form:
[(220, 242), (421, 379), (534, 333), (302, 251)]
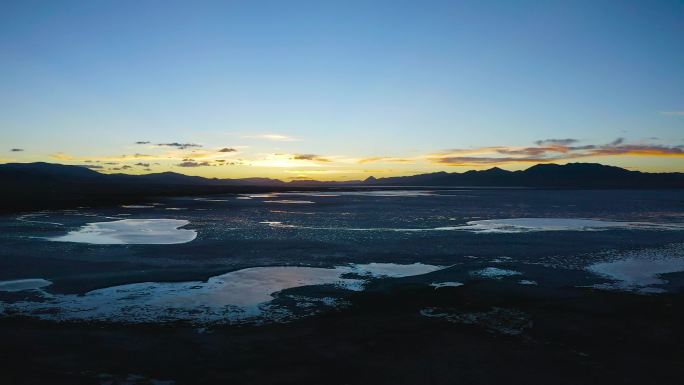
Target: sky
[(338, 90)]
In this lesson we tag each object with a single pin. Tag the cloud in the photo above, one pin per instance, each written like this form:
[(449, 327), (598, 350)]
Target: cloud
[(227, 149), (143, 142), (474, 161), (118, 158), (274, 137), (126, 167), (550, 153), (193, 164), (673, 113), (141, 164), (314, 157), (375, 159), (91, 166), (617, 141), (556, 142), (180, 146), (640, 150), (532, 151), (17, 150)]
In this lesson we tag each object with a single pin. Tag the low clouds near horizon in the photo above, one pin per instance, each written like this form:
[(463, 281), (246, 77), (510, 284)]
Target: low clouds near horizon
[(180, 146), (313, 157), (551, 150)]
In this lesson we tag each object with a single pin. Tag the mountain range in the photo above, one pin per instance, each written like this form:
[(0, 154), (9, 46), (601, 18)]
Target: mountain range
[(29, 186)]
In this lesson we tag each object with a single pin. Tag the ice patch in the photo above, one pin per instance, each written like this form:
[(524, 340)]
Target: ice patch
[(24, 284), (637, 273), (521, 225), (270, 195), (131, 231), (277, 224), (438, 285), (236, 296), (515, 225), (527, 282), (388, 193), (494, 272), (25, 218), (290, 202), (307, 194), (393, 270)]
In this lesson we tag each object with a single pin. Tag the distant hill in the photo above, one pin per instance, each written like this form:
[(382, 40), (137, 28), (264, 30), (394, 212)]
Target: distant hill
[(572, 175), (31, 186), (40, 171)]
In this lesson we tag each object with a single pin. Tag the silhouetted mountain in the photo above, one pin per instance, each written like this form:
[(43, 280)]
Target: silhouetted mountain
[(44, 172), (572, 175), (50, 171), (30, 186)]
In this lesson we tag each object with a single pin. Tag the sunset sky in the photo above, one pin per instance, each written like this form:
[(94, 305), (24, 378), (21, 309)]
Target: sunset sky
[(341, 89)]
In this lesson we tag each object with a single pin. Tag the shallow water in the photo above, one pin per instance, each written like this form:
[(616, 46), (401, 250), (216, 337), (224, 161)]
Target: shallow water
[(232, 297), (637, 273), (169, 260), (24, 284), (131, 231)]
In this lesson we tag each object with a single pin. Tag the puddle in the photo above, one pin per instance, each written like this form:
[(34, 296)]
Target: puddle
[(494, 272), (521, 225), (232, 297), (638, 274), (438, 285), (131, 231), (24, 284)]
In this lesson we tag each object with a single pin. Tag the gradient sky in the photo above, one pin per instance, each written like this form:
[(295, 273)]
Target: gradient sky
[(341, 89)]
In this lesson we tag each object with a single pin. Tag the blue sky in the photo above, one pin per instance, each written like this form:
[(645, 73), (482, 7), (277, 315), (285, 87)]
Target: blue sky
[(360, 87)]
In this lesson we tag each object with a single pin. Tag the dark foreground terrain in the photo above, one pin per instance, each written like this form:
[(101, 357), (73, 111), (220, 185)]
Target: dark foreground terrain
[(556, 287), (496, 333)]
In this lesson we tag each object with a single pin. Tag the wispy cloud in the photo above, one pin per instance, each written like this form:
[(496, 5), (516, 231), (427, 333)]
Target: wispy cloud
[(17, 150), (313, 157), (227, 149), (556, 142), (273, 137), (672, 113), (142, 142), (181, 146), (380, 159), (193, 164)]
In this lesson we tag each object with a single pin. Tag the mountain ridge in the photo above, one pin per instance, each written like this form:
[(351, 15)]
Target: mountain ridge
[(581, 175)]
